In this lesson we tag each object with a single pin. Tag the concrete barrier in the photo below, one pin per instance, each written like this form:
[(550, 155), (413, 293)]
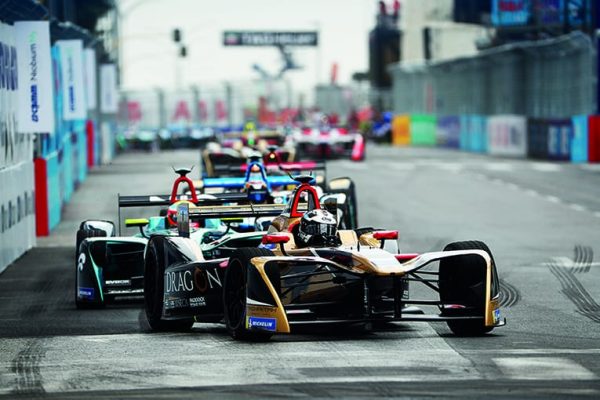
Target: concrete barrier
[(594, 138), (579, 139), (423, 129), (448, 131), (507, 135), (401, 130)]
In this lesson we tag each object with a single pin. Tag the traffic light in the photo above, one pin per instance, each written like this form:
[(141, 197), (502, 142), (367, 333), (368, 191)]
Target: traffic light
[(176, 35)]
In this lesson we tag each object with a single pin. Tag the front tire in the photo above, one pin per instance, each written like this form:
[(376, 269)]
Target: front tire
[(154, 272), (234, 294), (463, 282)]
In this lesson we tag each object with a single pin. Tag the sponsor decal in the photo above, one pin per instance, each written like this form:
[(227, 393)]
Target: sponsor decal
[(262, 310), (81, 261), (496, 315), (118, 282), (179, 281), (175, 303), (198, 301), (266, 324), (185, 281), (86, 293), (206, 279)]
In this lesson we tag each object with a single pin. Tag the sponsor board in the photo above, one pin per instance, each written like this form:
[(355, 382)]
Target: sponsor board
[(261, 323), (109, 96), (36, 102), (73, 85), (270, 38)]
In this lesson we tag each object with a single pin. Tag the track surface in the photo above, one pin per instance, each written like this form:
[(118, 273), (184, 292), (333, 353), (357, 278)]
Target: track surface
[(541, 220)]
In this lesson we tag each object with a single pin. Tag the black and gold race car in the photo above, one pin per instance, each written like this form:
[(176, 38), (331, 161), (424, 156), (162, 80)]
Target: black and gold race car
[(285, 283)]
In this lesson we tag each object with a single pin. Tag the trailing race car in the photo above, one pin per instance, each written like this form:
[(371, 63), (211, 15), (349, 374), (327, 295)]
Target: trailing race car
[(327, 142), (309, 273), (110, 266), (269, 180)]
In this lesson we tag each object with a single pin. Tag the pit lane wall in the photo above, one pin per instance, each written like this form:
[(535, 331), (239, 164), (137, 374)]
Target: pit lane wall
[(575, 139), (40, 170)]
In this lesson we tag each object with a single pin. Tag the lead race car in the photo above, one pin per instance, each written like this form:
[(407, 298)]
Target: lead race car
[(111, 266), (309, 273)]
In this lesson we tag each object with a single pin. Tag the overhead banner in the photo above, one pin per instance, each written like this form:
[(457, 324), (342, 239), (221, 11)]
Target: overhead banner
[(73, 85), (90, 78), (36, 101), (269, 38), (109, 96)]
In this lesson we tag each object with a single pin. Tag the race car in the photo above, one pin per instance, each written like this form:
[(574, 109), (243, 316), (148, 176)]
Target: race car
[(227, 159), (268, 180), (328, 142), (110, 267), (309, 273)]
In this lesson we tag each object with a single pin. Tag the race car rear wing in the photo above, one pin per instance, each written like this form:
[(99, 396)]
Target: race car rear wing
[(284, 166), (237, 211), (165, 199)]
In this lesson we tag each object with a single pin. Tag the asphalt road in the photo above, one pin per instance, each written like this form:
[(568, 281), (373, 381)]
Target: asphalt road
[(541, 220)]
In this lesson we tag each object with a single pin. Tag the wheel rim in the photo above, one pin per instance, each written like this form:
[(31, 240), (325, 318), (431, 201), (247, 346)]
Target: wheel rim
[(236, 294)]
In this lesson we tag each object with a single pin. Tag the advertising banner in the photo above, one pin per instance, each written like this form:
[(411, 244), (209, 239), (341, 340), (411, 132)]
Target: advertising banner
[(507, 135), (36, 100), (89, 56), (73, 85), (269, 38), (109, 96), (579, 141), (542, 12), (448, 131)]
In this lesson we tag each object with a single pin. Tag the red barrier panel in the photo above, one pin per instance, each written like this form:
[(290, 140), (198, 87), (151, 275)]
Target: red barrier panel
[(42, 227), (89, 129), (594, 138)]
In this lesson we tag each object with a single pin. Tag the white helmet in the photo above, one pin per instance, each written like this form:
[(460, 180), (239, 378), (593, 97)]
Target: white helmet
[(318, 228)]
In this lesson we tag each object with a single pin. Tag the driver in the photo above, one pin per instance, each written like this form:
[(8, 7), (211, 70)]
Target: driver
[(317, 228)]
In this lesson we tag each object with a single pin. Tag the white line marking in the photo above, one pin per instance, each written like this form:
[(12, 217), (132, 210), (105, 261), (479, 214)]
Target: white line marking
[(402, 166), (545, 167), (513, 186), (543, 368), (532, 192), (553, 199), (498, 167), (577, 207)]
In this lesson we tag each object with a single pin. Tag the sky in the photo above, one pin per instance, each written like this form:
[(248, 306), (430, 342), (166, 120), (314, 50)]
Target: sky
[(149, 54)]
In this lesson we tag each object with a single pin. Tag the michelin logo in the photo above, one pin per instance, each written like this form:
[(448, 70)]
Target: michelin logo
[(265, 324)]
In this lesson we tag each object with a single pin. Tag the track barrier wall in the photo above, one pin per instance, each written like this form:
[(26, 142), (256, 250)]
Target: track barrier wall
[(40, 169)]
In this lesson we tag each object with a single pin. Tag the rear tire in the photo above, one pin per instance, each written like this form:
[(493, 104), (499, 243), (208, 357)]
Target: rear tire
[(234, 294), (462, 283), (154, 272)]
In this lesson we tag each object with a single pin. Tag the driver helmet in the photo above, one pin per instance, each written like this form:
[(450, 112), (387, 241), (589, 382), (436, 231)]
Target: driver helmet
[(317, 228)]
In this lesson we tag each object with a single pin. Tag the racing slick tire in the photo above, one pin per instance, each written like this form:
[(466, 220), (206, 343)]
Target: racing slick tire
[(460, 281), (154, 272), (234, 294)]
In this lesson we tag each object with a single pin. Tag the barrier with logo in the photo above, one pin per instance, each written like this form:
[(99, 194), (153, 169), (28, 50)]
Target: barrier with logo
[(594, 138), (507, 135), (448, 131), (579, 139), (401, 130), (473, 133), (423, 129), (559, 139), (537, 139)]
